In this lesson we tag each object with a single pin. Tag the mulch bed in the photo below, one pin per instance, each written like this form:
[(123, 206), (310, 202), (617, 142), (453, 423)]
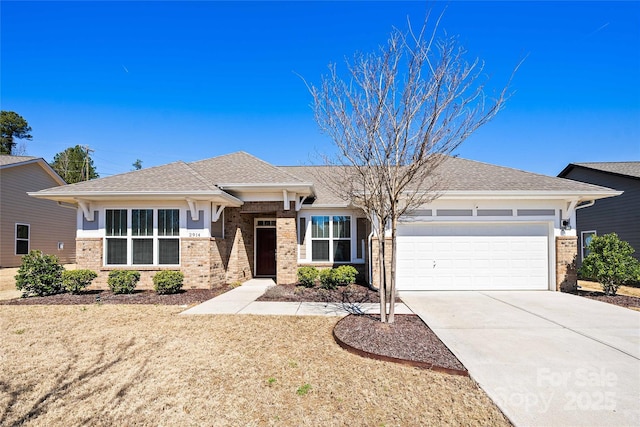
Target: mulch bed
[(185, 297), (292, 293), (408, 340), (621, 300)]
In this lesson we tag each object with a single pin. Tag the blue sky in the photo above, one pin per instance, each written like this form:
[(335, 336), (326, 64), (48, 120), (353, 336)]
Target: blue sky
[(167, 81)]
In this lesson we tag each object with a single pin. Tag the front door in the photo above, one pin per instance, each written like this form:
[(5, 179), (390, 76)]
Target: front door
[(265, 251)]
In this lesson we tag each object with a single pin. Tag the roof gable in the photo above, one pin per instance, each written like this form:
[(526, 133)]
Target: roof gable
[(242, 168), (628, 169), (7, 161)]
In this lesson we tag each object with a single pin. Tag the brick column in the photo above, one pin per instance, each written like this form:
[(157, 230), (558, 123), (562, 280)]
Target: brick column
[(375, 260), (89, 256), (287, 247), (566, 272)]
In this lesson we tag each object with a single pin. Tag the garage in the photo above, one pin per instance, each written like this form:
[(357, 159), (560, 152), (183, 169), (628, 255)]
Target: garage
[(472, 256)]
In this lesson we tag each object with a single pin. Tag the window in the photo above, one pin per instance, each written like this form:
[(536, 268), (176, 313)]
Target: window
[(320, 238), (168, 226), (331, 238), (116, 226), (22, 239), (341, 238), (586, 239), (142, 230), (152, 238)]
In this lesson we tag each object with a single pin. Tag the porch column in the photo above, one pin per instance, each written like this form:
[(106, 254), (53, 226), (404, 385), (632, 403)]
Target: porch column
[(286, 247), (566, 272)]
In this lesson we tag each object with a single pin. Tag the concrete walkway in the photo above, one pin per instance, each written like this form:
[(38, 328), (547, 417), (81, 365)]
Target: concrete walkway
[(545, 358), (242, 300)]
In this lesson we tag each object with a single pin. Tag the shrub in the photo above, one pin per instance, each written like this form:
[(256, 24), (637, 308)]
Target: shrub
[(326, 279), (39, 274), (168, 282), (75, 281), (610, 263), (307, 276), (123, 281), (344, 275)]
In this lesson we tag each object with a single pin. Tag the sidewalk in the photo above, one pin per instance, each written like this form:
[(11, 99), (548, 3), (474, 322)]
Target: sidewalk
[(242, 300)]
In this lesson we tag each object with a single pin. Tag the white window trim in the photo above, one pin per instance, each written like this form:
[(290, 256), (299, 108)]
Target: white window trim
[(583, 247), (16, 238), (331, 239), (129, 237)]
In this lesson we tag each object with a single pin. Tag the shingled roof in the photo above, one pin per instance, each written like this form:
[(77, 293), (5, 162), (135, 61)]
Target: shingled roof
[(631, 169), (6, 160), (458, 175), (468, 175), (201, 178), (220, 176), (242, 168)]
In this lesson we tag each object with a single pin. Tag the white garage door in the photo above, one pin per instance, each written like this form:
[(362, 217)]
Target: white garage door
[(472, 256)]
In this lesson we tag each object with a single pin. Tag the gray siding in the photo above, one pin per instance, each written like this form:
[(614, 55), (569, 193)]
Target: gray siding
[(49, 223), (619, 214)]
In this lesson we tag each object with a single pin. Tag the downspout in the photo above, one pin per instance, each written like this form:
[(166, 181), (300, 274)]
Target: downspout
[(67, 205), (587, 205)]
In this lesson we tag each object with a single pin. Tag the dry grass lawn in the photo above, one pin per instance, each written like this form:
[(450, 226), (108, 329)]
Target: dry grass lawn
[(8, 282), (145, 365), (622, 290)]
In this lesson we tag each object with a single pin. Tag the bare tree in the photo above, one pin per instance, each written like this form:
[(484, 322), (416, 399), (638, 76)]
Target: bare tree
[(394, 118)]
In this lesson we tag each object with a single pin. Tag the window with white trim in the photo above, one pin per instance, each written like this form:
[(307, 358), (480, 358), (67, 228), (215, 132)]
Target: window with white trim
[(331, 238), (22, 239), (152, 238), (587, 236)]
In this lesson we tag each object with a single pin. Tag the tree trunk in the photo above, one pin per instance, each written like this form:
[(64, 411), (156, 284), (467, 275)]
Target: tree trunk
[(382, 278), (392, 290)]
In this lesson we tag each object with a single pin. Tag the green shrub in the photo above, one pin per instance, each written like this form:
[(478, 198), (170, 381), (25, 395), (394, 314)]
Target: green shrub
[(326, 279), (344, 275), (39, 274), (168, 282), (610, 263), (75, 281), (123, 281), (307, 276)]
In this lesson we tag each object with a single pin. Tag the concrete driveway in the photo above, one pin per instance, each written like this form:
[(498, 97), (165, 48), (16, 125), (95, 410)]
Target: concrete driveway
[(545, 358)]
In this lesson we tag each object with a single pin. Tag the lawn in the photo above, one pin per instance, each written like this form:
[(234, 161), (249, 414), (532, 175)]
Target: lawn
[(124, 365), (597, 287)]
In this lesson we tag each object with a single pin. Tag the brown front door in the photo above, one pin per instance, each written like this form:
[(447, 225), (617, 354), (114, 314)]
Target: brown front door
[(265, 251)]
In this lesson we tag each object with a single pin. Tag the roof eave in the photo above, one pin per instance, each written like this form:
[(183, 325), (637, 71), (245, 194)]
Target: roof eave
[(217, 196), (530, 195), (303, 188)]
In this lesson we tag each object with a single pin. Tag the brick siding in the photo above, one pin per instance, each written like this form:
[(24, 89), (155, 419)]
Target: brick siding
[(566, 254), (209, 262), (287, 247)]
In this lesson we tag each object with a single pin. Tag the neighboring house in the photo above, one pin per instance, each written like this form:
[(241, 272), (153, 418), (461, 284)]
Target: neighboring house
[(234, 217), (27, 223), (620, 214)]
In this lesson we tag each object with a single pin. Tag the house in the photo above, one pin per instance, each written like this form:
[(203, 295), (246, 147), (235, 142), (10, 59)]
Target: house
[(27, 223), (234, 217), (620, 214)]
